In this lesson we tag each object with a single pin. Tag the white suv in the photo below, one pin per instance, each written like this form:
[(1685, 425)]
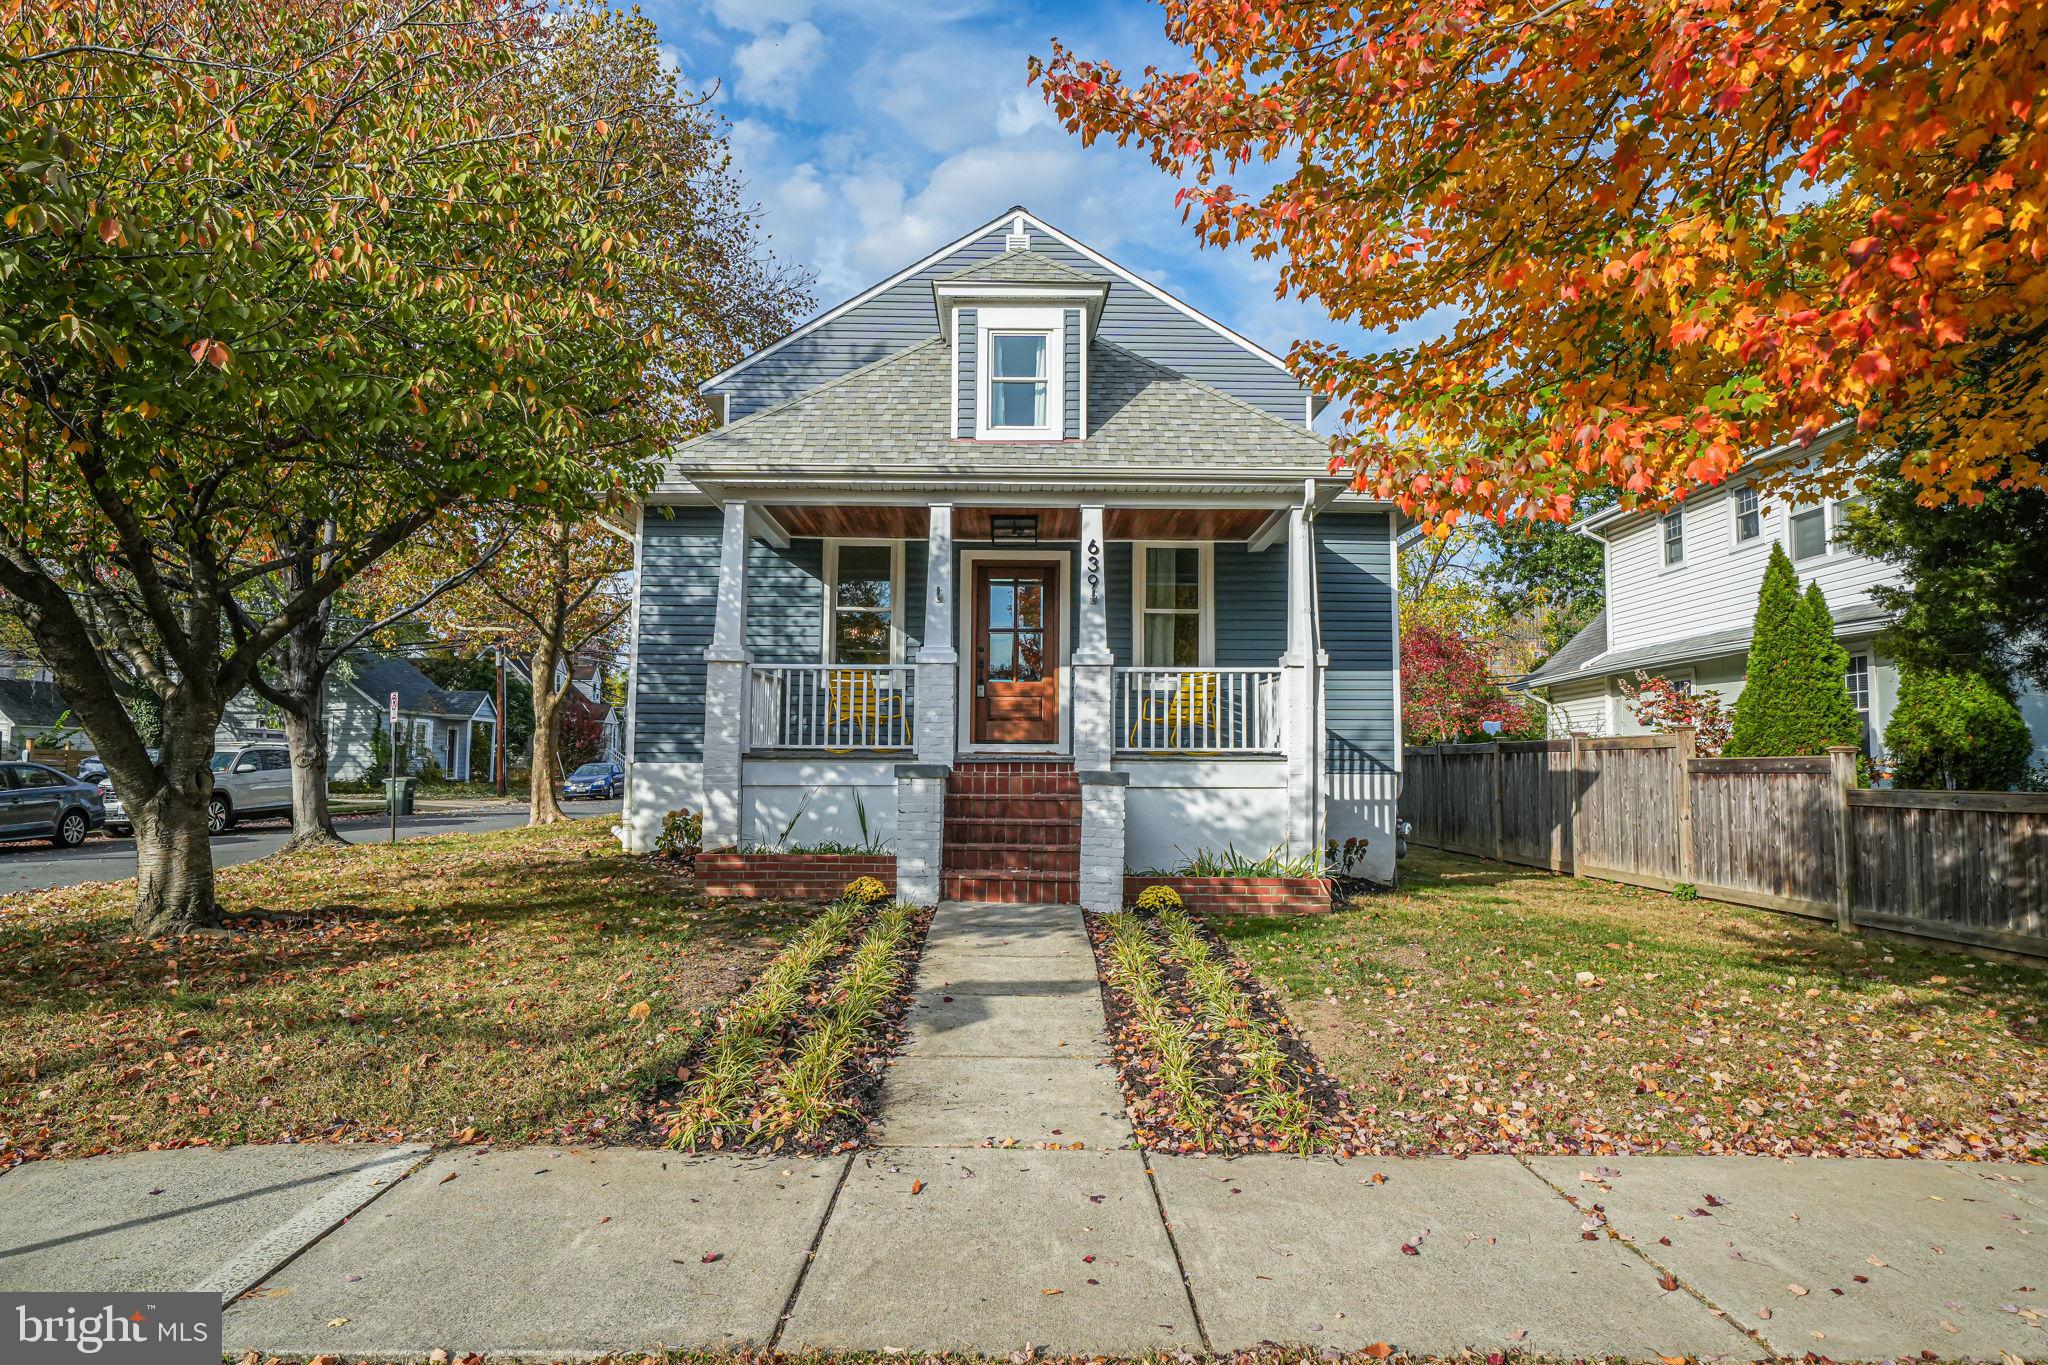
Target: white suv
[(253, 780)]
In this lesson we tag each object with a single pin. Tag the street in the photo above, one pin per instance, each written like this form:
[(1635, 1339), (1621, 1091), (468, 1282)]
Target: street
[(36, 866)]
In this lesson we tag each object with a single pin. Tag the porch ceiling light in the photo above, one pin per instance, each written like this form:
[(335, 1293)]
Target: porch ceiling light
[(1013, 527)]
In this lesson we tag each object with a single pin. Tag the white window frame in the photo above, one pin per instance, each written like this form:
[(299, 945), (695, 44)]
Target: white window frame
[(1735, 522), (830, 572), (1205, 612), (1675, 517), (1868, 711), (991, 322), (1822, 509)]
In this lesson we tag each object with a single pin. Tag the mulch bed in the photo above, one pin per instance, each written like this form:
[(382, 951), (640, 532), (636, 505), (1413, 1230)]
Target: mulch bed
[(861, 1088), (1339, 1130)]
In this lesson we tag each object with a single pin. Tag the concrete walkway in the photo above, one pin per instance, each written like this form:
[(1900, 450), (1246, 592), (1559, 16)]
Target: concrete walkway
[(1004, 1206)]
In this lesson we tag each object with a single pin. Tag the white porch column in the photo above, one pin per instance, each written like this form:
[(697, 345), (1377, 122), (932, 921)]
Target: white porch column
[(1297, 688), (938, 662), (1093, 667), (725, 687)]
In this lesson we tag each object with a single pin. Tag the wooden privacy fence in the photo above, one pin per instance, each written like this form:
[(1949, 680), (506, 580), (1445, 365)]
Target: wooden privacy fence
[(1790, 834)]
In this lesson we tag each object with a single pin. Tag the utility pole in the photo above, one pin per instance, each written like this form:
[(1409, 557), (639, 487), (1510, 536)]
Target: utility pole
[(498, 730)]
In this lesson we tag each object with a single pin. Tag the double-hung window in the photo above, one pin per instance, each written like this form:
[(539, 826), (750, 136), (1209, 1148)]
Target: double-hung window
[(1174, 623), (862, 576), (1749, 515), (1674, 537), (1017, 384), (1858, 682), (1809, 532)]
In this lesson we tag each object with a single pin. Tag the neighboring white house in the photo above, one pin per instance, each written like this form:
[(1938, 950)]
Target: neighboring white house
[(1025, 569), (1681, 600), (35, 710), (444, 726)]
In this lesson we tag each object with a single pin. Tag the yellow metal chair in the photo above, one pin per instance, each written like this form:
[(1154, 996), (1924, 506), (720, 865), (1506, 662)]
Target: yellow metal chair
[(1189, 708), (855, 699)]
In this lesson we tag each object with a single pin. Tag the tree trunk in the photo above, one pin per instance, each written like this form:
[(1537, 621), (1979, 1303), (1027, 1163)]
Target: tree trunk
[(173, 848), (300, 693), (543, 807)]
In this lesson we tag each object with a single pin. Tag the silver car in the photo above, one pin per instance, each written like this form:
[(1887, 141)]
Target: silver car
[(42, 803), (255, 779)]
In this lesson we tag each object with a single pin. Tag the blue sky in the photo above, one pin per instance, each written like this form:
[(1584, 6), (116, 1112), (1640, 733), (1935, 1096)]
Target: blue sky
[(872, 133)]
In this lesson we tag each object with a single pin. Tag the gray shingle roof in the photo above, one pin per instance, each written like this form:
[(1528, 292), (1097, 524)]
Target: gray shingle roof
[(895, 415), (379, 675), (1598, 662), (1021, 267), (31, 703)]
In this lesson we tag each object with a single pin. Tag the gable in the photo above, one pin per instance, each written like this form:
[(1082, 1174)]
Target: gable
[(900, 313)]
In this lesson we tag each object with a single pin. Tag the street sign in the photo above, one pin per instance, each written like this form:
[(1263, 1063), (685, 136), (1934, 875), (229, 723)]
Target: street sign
[(394, 708)]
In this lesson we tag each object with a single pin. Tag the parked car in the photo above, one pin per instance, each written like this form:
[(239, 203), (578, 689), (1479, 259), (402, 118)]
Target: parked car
[(41, 803), (117, 813), (597, 781), (255, 779), (91, 770)]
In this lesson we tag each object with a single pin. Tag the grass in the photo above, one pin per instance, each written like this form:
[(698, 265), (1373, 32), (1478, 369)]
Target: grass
[(782, 1065), (1490, 1008), (523, 985)]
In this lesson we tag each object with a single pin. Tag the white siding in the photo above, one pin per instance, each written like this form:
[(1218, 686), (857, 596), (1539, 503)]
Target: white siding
[(1580, 706), (1715, 588)]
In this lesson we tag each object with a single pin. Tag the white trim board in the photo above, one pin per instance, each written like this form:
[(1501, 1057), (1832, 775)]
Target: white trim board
[(1003, 221)]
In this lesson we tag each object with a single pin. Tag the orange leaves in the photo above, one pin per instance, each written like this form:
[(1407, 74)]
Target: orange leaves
[(207, 351), (1878, 173)]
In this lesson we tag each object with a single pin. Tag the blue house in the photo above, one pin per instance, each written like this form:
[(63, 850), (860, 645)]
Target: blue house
[(1024, 570)]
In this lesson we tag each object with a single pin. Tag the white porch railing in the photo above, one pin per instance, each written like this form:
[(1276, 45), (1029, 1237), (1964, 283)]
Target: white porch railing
[(1198, 710), (831, 706)]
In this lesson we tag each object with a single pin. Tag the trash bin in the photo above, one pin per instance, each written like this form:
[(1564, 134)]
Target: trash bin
[(398, 792)]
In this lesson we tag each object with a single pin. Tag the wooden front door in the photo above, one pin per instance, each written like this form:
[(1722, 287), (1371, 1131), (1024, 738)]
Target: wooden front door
[(1016, 654)]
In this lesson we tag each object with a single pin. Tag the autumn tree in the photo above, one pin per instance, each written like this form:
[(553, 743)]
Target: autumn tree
[(1672, 232), (331, 263), (556, 592), (1448, 694)]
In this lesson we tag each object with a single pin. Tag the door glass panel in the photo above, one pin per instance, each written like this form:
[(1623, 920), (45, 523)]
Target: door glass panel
[(1029, 606), (1002, 604), (1001, 656)]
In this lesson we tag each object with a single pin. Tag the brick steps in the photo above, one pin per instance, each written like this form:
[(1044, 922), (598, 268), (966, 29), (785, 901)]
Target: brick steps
[(1010, 888), (1012, 833)]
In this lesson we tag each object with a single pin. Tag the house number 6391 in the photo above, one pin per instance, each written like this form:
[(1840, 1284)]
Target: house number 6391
[(1094, 572)]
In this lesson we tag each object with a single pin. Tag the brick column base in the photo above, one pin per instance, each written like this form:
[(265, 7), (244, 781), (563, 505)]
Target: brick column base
[(1102, 840), (920, 830)]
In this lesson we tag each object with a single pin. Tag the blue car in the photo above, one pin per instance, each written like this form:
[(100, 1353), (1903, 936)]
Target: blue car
[(42, 803), (597, 781)]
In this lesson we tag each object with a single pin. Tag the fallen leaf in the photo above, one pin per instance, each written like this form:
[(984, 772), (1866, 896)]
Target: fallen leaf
[(640, 1011), (711, 1256), (450, 1176), (917, 1187), (1667, 1282), (337, 1322), (1797, 1289), (1379, 1350)]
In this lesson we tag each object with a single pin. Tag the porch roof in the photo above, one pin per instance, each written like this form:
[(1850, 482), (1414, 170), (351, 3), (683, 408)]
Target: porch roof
[(892, 419), (1586, 657)]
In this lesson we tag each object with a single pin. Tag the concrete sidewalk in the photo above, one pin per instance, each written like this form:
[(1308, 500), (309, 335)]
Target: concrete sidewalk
[(1004, 1205)]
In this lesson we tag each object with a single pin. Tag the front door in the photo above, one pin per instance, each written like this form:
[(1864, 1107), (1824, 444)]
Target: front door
[(1016, 654)]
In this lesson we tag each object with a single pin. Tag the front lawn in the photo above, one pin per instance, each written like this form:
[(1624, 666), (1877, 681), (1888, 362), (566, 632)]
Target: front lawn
[(524, 985), (1491, 1008)]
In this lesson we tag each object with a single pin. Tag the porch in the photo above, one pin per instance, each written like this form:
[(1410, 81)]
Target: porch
[(1138, 680)]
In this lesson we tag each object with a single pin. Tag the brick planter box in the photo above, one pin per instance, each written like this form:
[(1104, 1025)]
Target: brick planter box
[(1240, 895), (790, 876)]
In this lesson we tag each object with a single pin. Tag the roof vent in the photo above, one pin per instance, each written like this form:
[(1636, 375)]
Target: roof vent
[(1017, 239)]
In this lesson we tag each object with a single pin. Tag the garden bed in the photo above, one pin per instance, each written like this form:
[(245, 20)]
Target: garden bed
[(1238, 895), (789, 876), (795, 1064), (1207, 1061)]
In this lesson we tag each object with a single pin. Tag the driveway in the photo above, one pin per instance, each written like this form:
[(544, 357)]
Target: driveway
[(37, 866)]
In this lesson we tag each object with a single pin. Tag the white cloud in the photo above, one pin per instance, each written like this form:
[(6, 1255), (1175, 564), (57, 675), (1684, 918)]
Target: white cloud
[(773, 66), (758, 16), (1021, 112)]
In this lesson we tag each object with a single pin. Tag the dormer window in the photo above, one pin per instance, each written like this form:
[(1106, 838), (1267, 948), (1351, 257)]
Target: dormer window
[(1017, 380), (1020, 382)]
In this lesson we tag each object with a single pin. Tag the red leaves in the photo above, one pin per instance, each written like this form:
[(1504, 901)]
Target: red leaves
[(207, 351)]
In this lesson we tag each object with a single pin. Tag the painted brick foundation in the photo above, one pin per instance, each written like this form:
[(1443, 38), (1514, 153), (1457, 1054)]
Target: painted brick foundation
[(1240, 895), (789, 876)]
